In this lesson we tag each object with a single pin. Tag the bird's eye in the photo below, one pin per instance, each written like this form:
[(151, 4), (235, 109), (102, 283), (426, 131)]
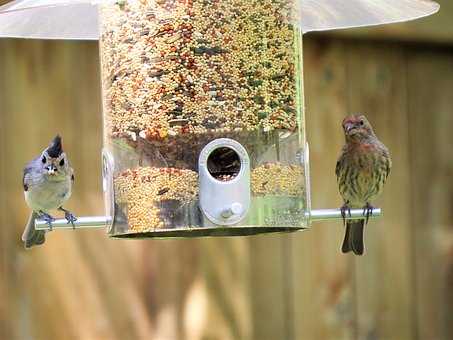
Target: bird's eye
[(361, 122), (62, 162), (44, 160)]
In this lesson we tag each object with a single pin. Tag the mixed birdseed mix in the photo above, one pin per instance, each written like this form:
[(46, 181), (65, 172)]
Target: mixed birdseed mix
[(278, 179), (173, 67), (183, 151), (150, 196), (145, 192)]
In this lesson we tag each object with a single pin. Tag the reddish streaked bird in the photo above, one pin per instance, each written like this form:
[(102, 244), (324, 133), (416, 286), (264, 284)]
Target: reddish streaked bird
[(362, 169)]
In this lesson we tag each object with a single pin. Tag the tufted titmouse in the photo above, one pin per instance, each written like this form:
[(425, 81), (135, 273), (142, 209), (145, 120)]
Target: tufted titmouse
[(47, 185)]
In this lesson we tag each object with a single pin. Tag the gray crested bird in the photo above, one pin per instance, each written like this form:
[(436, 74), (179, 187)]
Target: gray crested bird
[(362, 169), (47, 185)]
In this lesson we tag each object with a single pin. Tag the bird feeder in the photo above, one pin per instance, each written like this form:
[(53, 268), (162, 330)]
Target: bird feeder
[(203, 107)]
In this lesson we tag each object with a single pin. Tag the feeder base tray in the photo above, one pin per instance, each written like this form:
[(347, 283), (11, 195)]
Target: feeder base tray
[(206, 231)]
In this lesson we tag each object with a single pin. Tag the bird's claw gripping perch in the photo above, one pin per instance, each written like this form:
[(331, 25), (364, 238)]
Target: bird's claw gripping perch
[(367, 212), (69, 217), (48, 218), (343, 210)]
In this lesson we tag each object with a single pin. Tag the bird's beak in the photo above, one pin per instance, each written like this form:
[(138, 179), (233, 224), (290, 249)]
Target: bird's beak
[(348, 127), (51, 170)]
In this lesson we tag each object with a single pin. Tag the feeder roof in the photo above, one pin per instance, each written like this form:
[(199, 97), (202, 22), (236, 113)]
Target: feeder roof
[(78, 19)]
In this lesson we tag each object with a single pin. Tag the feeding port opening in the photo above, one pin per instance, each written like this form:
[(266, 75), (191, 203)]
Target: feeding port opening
[(224, 164), (224, 177)]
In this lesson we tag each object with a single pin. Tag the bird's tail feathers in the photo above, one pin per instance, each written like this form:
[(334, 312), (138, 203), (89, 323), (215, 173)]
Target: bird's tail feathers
[(31, 236), (353, 238)]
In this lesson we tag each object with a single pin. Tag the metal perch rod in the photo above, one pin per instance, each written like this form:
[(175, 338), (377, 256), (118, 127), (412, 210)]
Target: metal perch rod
[(82, 222), (102, 221), (335, 214)]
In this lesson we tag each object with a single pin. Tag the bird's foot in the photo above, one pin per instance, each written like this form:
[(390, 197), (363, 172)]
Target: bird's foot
[(345, 208), (367, 211), (47, 218), (69, 217)]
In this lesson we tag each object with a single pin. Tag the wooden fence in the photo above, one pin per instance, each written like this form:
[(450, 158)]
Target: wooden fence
[(82, 285)]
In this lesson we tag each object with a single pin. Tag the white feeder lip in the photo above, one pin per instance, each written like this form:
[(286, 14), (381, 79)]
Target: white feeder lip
[(78, 19)]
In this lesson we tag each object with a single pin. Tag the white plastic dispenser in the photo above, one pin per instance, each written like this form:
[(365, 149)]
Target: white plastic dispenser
[(224, 181)]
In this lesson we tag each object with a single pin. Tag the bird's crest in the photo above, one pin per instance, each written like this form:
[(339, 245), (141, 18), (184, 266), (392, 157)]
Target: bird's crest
[(55, 148)]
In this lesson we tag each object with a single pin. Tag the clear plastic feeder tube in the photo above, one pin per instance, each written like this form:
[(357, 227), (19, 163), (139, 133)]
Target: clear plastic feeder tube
[(203, 116)]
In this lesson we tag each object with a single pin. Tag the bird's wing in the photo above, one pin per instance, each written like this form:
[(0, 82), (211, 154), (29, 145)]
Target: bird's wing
[(71, 171), (388, 165), (388, 160), (26, 177), (339, 166), (341, 159), (25, 185)]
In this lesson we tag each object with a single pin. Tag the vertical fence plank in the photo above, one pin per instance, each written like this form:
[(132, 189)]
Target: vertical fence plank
[(225, 268), (323, 277), (6, 328), (430, 83), (269, 282), (377, 88), (198, 289)]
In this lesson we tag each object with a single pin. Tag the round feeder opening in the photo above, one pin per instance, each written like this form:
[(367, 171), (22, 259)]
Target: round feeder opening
[(224, 164)]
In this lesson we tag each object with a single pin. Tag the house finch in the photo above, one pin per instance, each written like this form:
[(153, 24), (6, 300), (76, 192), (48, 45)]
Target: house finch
[(361, 170)]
